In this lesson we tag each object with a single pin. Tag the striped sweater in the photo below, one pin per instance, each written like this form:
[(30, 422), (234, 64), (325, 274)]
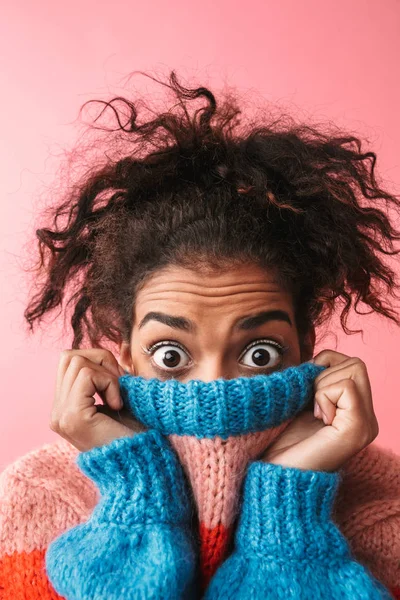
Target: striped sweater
[(186, 510)]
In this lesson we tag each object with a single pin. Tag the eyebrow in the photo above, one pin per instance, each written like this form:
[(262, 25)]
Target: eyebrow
[(171, 321), (245, 323), (253, 321)]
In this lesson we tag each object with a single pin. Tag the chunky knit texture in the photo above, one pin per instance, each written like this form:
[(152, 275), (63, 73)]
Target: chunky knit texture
[(287, 545), (46, 494), (217, 428), (139, 531), (223, 407)]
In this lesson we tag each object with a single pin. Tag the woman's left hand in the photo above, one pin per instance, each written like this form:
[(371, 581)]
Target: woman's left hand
[(345, 425)]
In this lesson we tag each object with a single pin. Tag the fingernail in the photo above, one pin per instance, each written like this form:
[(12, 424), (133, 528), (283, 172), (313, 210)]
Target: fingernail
[(317, 411)]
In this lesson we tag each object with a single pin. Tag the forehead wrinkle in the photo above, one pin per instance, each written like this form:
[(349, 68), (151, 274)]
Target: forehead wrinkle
[(199, 309), (214, 292)]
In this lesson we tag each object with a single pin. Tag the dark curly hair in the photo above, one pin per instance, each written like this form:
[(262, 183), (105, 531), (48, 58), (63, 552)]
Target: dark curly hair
[(200, 189)]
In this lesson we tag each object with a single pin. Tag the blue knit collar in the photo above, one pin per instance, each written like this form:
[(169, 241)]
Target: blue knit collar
[(223, 407)]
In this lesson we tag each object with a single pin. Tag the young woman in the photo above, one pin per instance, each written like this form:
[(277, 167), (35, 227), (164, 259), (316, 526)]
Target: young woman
[(209, 253)]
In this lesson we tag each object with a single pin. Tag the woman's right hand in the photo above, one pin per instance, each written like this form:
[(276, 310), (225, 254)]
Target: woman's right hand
[(75, 416)]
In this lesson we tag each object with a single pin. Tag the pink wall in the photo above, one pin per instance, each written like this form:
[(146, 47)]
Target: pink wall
[(335, 61)]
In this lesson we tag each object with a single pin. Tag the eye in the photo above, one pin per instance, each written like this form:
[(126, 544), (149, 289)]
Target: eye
[(167, 355), (262, 354)]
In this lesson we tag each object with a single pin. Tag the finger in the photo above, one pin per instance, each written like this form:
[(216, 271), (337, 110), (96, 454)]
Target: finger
[(77, 363), (68, 370), (354, 422), (317, 410), (333, 363), (91, 379), (329, 358), (355, 370), (98, 356), (81, 423), (338, 397), (121, 372)]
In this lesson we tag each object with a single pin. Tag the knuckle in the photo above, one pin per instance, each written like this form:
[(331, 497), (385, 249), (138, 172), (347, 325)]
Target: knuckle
[(107, 354), (53, 425), (63, 359), (319, 395), (350, 383), (321, 353), (65, 356), (326, 351), (76, 360), (85, 372), (360, 363), (317, 379)]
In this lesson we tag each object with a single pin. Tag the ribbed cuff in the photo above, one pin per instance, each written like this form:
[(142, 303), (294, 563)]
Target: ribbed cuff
[(286, 512), (140, 480)]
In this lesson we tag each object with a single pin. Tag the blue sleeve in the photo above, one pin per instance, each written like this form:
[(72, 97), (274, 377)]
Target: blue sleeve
[(137, 542), (288, 546)]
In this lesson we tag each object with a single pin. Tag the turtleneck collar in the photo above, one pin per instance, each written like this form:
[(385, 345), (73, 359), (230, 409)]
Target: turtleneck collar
[(223, 407)]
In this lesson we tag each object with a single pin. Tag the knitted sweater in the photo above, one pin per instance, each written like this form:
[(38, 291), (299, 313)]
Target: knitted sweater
[(118, 521)]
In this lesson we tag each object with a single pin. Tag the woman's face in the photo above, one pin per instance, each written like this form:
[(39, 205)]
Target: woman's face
[(232, 323)]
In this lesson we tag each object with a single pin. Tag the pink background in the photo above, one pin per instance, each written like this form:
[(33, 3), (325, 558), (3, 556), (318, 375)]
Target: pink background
[(335, 61)]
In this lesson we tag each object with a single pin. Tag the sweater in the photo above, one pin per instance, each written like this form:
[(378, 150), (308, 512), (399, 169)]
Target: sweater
[(118, 521)]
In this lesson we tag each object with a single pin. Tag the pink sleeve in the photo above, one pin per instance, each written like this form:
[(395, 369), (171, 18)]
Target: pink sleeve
[(42, 494), (368, 512)]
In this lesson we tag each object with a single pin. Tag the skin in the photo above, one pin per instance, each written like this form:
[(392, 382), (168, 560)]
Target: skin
[(214, 302), (206, 343)]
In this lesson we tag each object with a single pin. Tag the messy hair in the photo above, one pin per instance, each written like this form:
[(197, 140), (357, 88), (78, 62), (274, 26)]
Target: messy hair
[(199, 188)]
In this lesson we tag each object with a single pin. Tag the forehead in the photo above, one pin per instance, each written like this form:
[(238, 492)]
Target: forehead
[(192, 291)]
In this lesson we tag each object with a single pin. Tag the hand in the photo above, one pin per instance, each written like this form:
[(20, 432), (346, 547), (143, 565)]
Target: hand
[(343, 423), (75, 416)]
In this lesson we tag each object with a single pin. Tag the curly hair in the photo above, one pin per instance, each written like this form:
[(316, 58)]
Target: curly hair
[(198, 188)]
